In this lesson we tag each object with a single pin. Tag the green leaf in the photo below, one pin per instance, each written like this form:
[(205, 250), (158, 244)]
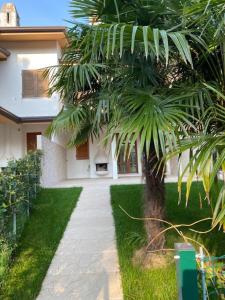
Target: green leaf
[(174, 38), (108, 41), (114, 38), (117, 10), (166, 45), (156, 41), (134, 30), (145, 38), (219, 211), (121, 39), (185, 46)]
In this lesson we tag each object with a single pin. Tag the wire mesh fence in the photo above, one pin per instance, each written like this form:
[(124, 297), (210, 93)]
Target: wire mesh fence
[(19, 185), (199, 275), (212, 273), (211, 276)]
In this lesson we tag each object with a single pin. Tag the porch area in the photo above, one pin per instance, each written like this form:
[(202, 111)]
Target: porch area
[(73, 166)]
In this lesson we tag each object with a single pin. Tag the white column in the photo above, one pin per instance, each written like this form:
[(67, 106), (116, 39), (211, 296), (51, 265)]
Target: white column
[(185, 159), (39, 142), (168, 168), (114, 160)]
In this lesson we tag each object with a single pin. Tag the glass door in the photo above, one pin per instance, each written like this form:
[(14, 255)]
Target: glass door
[(128, 165)]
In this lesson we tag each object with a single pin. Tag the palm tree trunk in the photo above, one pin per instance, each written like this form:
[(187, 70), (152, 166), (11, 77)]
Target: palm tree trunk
[(154, 199)]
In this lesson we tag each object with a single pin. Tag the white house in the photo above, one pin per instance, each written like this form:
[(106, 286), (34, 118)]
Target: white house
[(26, 110)]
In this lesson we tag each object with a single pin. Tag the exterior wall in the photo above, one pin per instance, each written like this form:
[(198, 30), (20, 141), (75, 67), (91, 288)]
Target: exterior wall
[(76, 168), (184, 160), (11, 143), (173, 166), (53, 162), (60, 139), (87, 168), (60, 162), (25, 56)]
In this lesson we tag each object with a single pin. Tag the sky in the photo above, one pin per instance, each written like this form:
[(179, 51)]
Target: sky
[(42, 12)]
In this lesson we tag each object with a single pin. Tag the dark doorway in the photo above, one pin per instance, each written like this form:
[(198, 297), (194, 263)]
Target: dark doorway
[(32, 141)]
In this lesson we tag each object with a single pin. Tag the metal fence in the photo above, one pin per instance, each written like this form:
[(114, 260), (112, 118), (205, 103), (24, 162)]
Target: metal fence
[(212, 276), (199, 276)]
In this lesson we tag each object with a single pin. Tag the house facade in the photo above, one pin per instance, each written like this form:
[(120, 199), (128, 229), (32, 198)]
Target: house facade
[(26, 109)]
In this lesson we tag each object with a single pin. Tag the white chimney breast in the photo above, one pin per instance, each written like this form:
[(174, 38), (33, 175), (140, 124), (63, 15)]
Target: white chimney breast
[(101, 163)]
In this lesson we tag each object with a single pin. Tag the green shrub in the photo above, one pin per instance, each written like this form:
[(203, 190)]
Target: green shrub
[(5, 254), (19, 185)]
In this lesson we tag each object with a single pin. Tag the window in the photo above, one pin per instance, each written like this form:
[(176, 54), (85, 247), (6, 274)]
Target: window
[(82, 151), (128, 165), (8, 17), (32, 141), (34, 84)]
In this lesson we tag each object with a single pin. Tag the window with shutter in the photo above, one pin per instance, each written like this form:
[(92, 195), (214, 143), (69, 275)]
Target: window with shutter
[(82, 151), (29, 82), (34, 85), (42, 84)]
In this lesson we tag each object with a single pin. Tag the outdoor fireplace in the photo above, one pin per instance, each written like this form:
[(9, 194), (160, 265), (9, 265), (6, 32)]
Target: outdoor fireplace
[(101, 163), (101, 167)]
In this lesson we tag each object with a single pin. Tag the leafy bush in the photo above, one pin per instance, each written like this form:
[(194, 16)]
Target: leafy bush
[(5, 253), (19, 185)]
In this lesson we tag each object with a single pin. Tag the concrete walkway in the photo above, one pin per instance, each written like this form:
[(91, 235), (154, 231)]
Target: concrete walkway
[(86, 266)]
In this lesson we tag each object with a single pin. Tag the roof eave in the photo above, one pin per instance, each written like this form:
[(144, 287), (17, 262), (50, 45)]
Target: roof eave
[(19, 120), (56, 33)]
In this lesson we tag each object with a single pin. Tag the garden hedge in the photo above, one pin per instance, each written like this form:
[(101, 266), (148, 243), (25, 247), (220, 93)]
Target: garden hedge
[(19, 185)]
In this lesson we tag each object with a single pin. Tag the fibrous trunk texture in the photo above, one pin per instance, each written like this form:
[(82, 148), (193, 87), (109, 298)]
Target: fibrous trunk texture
[(154, 199)]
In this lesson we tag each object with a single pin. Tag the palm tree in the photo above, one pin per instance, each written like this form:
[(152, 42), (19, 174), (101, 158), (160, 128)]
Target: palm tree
[(131, 72), (208, 146)]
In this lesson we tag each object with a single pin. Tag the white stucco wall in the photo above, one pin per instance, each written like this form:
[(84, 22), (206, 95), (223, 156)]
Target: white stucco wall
[(11, 143), (53, 162), (76, 168), (185, 160), (60, 139), (13, 140), (87, 168), (25, 56), (174, 166)]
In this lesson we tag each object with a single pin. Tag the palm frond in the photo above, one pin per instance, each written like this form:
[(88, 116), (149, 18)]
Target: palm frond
[(151, 117), (113, 39)]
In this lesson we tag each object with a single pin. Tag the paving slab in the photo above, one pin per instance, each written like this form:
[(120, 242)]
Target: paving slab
[(98, 286), (85, 266)]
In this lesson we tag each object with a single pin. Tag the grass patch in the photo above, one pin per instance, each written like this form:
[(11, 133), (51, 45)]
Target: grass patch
[(157, 284), (38, 243)]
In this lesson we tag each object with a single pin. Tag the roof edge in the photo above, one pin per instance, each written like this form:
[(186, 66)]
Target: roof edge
[(18, 120), (30, 29)]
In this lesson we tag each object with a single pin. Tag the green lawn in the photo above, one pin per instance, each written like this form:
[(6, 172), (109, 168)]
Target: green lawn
[(39, 241), (157, 284)]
